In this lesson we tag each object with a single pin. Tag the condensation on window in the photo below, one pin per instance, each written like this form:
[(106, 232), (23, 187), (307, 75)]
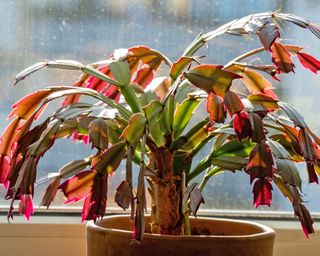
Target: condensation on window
[(87, 31)]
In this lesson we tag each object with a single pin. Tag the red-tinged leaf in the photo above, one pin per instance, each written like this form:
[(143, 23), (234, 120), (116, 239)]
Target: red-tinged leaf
[(258, 133), (262, 192), (161, 86), (215, 108), (232, 102), (279, 144), (306, 221), (144, 76), (266, 101), (293, 135), (4, 169), (73, 167), (139, 223), (211, 78), (124, 195), (283, 187), (25, 107), (241, 125), (301, 212), (309, 62), (289, 172), (7, 139), (135, 129), (293, 48), (268, 34), (78, 187), (254, 81), (46, 140), (25, 137), (51, 192), (179, 66), (260, 164), (306, 145), (139, 51), (145, 55), (95, 204), (281, 58), (26, 206), (109, 160), (312, 173), (99, 133), (25, 176)]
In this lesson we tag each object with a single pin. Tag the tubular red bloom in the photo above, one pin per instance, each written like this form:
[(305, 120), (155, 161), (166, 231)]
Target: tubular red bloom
[(309, 62), (241, 125), (26, 206), (4, 170), (95, 203), (262, 192), (83, 137)]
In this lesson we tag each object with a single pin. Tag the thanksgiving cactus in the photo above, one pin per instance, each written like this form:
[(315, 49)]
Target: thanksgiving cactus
[(142, 118)]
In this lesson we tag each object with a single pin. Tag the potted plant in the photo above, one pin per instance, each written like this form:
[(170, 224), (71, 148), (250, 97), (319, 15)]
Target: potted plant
[(139, 117)]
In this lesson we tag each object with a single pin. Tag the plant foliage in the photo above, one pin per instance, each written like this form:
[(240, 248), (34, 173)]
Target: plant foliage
[(141, 118)]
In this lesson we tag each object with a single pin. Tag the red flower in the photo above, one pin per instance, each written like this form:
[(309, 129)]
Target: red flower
[(241, 125), (4, 170), (95, 203), (83, 137), (26, 206), (309, 62), (262, 192)]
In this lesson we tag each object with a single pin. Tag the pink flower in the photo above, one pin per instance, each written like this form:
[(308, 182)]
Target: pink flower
[(26, 206), (95, 204), (4, 170)]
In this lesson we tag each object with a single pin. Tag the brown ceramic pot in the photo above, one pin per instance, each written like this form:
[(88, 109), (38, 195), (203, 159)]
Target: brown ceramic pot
[(112, 237)]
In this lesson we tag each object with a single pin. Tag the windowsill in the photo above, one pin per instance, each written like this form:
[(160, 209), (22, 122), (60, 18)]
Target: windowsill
[(64, 234)]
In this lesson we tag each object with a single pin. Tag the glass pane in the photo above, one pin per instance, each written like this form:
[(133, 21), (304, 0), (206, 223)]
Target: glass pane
[(87, 31)]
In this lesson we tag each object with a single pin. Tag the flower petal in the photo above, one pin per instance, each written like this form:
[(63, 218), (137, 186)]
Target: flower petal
[(241, 125), (26, 206), (309, 62), (95, 204), (262, 191)]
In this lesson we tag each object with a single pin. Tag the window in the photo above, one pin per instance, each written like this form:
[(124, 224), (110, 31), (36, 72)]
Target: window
[(87, 31)]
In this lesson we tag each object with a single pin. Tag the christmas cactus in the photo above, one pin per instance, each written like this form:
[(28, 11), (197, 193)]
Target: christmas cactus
[(138, 117)]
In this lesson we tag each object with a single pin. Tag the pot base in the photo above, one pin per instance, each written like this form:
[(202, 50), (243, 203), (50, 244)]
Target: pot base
[(112, 237)]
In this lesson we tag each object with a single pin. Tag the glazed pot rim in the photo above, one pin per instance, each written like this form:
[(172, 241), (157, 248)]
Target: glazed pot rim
[(265, 230)]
